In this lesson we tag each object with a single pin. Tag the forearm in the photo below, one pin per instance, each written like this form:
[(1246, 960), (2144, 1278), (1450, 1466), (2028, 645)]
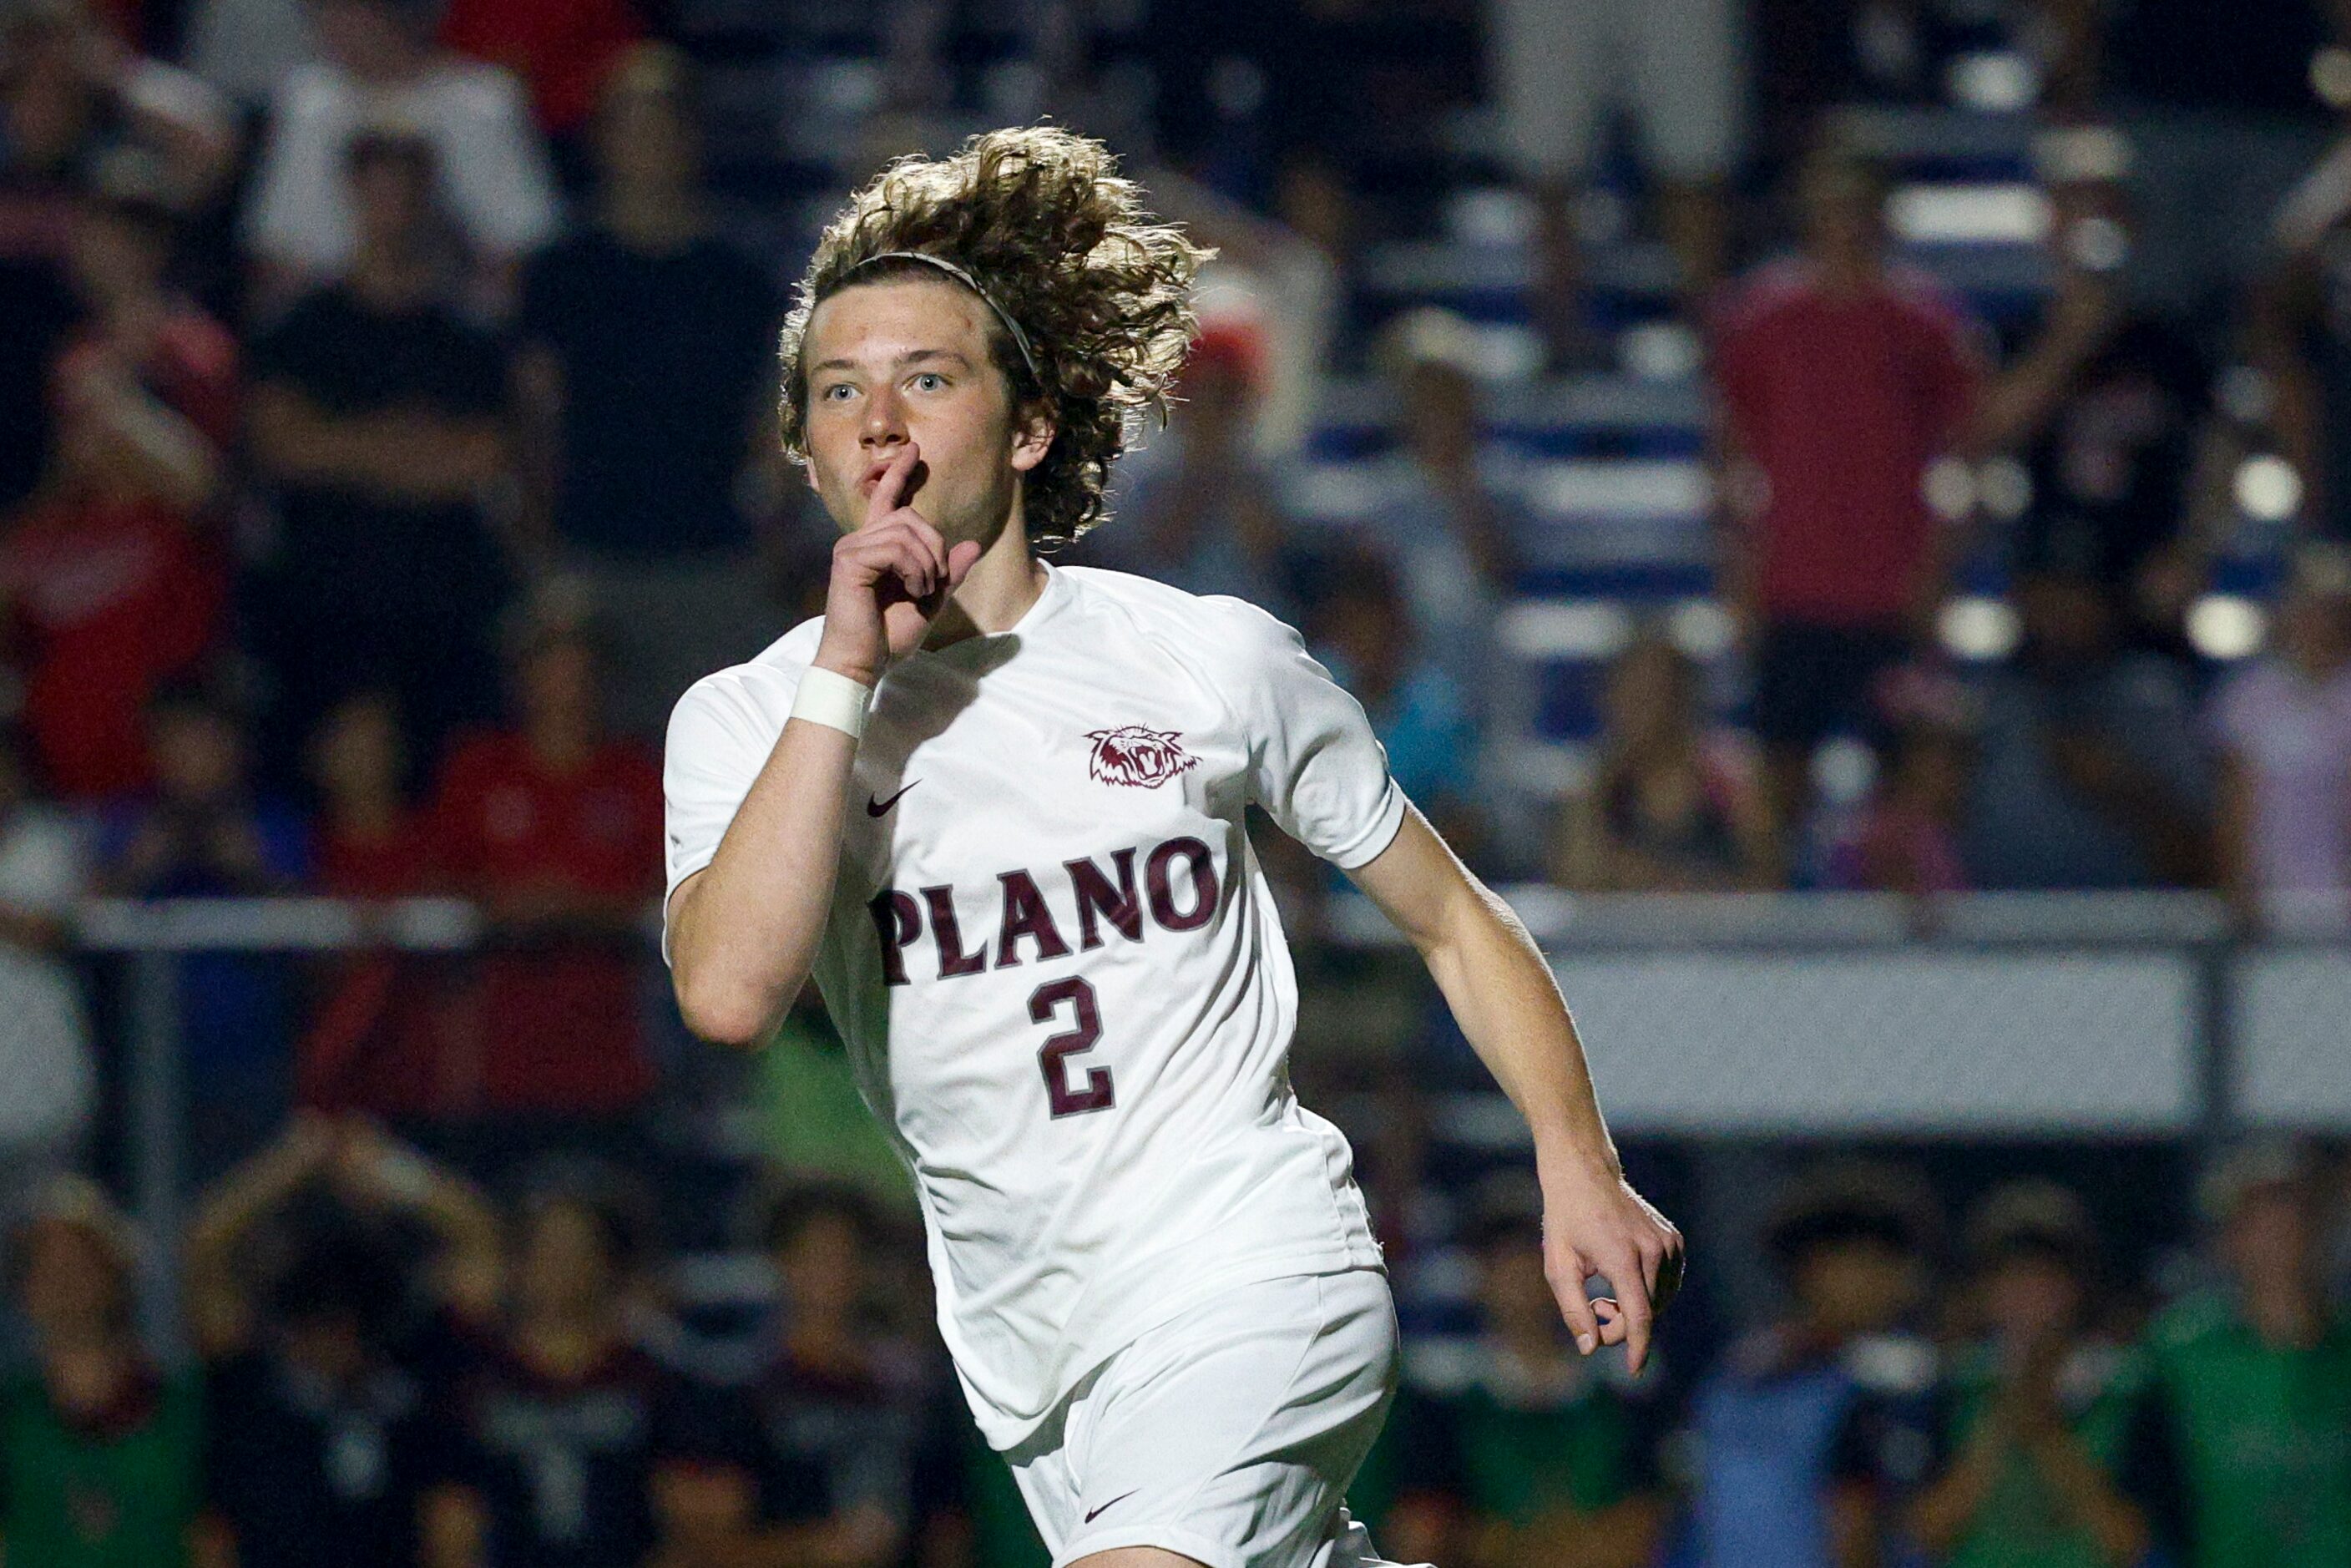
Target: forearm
[(1510, 1009), (2119, 1529), (745, 932), (1942, 1510)]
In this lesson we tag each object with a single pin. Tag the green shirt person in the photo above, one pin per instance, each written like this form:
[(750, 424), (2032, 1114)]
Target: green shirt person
[(100, 1456), (2254, 1383), (2038, 1418)]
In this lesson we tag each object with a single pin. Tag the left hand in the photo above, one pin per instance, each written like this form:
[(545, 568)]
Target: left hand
[(1594, 1223)]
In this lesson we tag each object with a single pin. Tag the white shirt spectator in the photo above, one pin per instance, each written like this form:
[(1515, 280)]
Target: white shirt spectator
[(44, 1039), (477, 117)]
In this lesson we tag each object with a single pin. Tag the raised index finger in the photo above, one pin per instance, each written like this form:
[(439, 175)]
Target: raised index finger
[(889, 491)]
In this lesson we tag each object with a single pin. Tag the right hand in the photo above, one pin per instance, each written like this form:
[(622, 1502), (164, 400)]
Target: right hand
[(891, 577)]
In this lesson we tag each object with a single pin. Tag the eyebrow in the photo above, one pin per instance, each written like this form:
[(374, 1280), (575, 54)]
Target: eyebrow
[(913, 357)]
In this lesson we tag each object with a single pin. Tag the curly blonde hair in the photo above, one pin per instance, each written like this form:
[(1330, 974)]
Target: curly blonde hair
[(1039, 219)]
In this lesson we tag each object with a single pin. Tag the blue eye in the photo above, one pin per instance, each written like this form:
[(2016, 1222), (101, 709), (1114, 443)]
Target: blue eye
[(930, 381), (834, 393)]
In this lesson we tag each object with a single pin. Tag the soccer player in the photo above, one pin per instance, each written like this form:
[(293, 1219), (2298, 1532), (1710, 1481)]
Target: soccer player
[(996, 808)]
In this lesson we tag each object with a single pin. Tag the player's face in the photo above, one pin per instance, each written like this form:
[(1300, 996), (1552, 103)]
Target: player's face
[(890, 364)]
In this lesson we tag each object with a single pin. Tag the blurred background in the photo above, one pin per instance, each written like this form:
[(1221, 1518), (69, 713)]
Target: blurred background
[(1841, 507)]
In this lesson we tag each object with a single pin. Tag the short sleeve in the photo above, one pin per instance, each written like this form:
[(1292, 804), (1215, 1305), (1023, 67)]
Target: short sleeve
[(720, 736), (1314, 764)]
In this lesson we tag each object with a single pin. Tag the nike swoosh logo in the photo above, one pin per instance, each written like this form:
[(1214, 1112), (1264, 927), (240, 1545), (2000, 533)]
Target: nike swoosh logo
[(874, 808), (1111, 1504)]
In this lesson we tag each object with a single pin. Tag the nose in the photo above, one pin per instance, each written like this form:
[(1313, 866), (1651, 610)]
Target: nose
[(884, 427)]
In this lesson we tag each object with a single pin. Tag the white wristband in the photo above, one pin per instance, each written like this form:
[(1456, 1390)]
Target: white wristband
[(833, 700)]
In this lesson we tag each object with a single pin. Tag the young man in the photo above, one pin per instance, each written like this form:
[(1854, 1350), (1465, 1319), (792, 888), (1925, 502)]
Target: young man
[(1019, 873)]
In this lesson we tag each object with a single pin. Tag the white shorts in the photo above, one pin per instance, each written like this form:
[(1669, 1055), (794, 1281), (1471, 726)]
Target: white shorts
[(1675, 65), (1228, 1434)]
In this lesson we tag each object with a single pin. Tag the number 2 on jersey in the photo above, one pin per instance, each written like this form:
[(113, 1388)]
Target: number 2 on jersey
[(1053, 1056)]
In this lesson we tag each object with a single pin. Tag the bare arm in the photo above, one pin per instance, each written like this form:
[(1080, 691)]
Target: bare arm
[(744, 930), (1508, 1005), (220, 1315)]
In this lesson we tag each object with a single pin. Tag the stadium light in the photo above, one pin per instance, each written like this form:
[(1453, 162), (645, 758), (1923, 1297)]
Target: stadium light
[(2268, 490), (2226, 626), (1978, 628)]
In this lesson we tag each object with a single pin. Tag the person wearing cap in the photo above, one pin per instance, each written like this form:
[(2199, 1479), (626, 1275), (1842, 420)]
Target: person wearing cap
[(2037, 1413), (1440, 517), (1807, 1435), (2282, 725), (1202, 512), (2252, 1380), (101, 1447)]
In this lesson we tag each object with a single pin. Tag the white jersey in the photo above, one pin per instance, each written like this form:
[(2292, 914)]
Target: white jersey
[(1057, 966)]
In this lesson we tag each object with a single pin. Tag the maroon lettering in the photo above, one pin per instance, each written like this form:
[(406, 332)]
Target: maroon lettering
[(1096, 898), (1025, 915), (1204, 884), (947, 932), (1052, 1057), (897, 920)]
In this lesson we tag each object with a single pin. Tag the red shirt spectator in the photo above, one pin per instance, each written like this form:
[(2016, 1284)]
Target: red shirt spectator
[(1843, 398), (112, 599), (562, 49), (550, 849)]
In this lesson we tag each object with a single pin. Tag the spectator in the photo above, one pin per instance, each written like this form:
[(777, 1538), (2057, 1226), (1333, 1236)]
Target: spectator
[(1200, 514), (1908, 840), (569, 1423), (2254, 1380), (1563, 73), (2283, 726), (822, 1450), (70, 94), (108, 589), (1359, 627), (205, 833), (140, 328), (2223, 119), (555, 828), (564, 50), (2038, 1412), (1441, 521), (645, 387), (1809, 1425), (381, 1040), (1841, 379), (2107, 406), (44, 1055), (379, 68), (324, 1442), (377, 414), (1548, 1456), (2089, 773), (101, 1447), (1670, 808)]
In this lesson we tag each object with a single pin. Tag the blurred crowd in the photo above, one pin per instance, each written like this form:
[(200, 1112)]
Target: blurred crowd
[(386, 441), (387, 1367)]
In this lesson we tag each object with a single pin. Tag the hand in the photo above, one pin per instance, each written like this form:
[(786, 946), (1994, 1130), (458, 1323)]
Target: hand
[(891, 577), (1596, 1224), (2089, 765)]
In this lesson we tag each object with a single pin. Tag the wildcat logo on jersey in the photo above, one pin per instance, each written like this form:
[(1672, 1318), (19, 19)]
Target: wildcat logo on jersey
[(1142, 758)]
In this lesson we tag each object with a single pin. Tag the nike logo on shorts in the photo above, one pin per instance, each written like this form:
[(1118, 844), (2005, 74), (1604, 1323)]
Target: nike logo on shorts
[(1111, 1504), (874, 808)]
